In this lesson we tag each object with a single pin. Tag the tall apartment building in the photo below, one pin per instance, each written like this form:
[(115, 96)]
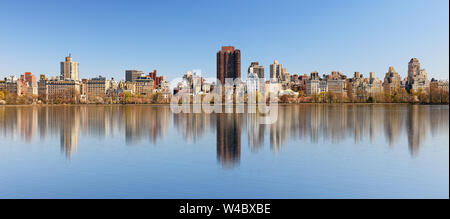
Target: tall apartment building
[(257, 69), (276, 70), (417, 77), (69, 69), (132, 75), (228, 63), (392, 80), (413, 69)]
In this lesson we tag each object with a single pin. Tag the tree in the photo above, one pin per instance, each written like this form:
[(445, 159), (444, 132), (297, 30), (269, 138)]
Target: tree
[(157, 97), (284, 99), (330, 97), (2, 95), (422, 96), (350, 93)]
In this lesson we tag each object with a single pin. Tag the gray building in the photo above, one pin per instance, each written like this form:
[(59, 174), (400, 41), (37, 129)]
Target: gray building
[(256, 69), (132, 75)]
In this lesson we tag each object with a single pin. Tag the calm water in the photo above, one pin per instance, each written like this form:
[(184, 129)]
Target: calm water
[(313, 151)]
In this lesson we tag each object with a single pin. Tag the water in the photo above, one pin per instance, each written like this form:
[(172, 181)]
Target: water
[(312, 151)]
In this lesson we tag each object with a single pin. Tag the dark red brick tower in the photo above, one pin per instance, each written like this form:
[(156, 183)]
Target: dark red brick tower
[(228, 63)]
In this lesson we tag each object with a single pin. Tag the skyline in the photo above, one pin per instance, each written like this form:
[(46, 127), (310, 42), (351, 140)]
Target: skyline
[(342, 36)]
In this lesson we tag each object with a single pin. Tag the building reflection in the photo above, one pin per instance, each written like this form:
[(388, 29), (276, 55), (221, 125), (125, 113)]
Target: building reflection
[(316, 124), (255, 131), (193, 126), (143, 122), (70, 128), (229, 139), (417, 127)]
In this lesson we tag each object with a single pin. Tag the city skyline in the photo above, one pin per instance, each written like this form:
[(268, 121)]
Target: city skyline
[(150, 88), (310, 37)]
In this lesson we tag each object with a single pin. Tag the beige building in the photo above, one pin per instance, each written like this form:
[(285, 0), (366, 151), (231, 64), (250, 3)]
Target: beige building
[(440, 84), (12, 85), (417, 77), (392, 80), (69, 69), (96, 87), (144, 85), (336, 86), (365, 87), (373, 85), (62, 88)]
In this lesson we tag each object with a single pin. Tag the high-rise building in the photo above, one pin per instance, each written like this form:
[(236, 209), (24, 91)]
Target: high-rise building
[(413, 69), (228, 63), (256, 69), (69, 69), (392, 80), (417, 77), (276, 70), (132, 75)]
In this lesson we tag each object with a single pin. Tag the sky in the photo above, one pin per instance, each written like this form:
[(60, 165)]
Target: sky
[(174, 36)]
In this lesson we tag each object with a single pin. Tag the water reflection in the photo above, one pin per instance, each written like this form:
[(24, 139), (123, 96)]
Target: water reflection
[(307, 123), (229, 139)]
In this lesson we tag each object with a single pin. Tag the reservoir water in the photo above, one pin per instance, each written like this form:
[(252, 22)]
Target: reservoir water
[(146, 151)]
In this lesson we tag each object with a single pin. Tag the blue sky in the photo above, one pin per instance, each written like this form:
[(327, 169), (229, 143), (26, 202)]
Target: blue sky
[(108, 37)]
